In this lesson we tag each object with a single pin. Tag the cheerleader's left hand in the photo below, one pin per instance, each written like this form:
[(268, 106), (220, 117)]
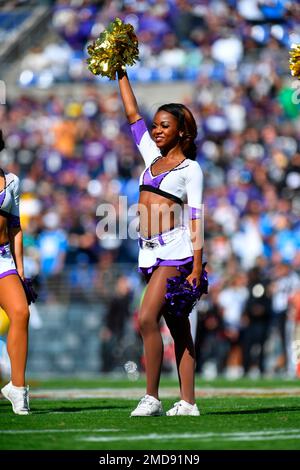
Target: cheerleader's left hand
[(194, 276)]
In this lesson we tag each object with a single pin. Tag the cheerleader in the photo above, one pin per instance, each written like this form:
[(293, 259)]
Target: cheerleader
[(12, 295), (167, 247)]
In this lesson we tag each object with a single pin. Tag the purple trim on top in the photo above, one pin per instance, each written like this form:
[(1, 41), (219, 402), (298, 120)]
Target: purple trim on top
[(4, 244), (3, 248), (194, 213), (2, 197), (154, 181), (8, 273), (138, 129), (165, 262)]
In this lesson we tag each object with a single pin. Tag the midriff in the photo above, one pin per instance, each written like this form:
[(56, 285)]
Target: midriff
[(157, 214)]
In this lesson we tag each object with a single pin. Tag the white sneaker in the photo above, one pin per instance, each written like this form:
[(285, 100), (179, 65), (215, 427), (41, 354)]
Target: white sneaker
[(148, 406), (18, 396), (183, 408)]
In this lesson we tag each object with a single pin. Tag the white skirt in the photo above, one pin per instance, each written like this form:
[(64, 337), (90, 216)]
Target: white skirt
[(173, 248), (7, 263)]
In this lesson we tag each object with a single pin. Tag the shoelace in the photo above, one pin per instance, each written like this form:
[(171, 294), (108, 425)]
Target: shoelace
[(177, 405), (22, 401), (144, 401), (26, 399)]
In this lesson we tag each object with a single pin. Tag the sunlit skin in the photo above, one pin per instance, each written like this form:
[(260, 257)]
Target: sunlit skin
[(13, 301), (166, 135)]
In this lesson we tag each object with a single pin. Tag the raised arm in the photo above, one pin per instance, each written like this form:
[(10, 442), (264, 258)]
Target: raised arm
[(139, 130), (129, 101)]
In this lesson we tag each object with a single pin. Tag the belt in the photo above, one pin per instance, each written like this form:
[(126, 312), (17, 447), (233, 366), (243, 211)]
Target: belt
[(158, 240)]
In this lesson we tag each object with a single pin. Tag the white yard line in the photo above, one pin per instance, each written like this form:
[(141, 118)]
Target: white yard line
[(226, 436), (133, 393), (50, 431), (271, 435)]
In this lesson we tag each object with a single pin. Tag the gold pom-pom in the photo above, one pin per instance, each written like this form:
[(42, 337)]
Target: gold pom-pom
[(116, 47), (295, 60)]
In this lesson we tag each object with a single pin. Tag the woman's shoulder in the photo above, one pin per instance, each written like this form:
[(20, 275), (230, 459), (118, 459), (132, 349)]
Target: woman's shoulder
[(11, 178), (193, 165)]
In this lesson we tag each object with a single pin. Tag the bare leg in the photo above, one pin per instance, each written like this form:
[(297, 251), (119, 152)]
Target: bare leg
[(185, 355), (149, 317), (13, 301)]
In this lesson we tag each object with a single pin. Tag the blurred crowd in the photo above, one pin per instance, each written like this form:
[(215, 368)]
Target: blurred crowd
[(74, 154), (176, 37)]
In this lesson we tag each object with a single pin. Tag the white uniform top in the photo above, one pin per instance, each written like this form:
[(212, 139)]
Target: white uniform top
[(184, 183), (9, 199)]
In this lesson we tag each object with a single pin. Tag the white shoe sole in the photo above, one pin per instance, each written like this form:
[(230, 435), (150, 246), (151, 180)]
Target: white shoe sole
[(16, 412), (147, 416)]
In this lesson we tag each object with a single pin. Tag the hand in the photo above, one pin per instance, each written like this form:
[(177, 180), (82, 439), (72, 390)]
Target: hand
[(194, 276)]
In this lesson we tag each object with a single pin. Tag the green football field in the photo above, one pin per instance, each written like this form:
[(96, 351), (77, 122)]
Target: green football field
[(94, 415)]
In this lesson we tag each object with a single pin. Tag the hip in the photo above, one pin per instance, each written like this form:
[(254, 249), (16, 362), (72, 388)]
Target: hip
[(173, 245), (7, 263)]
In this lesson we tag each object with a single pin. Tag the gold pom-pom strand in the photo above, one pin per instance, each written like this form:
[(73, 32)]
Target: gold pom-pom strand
[(116, 47), (295, 60)]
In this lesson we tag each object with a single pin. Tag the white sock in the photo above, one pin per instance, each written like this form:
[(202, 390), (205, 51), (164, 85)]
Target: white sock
[(17, 388)]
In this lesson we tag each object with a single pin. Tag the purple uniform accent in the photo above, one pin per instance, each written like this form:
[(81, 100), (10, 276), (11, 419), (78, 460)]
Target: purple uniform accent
[(153, 181), (2, 197), (165, 262), (181, 296), (3, 246), (194, 213), (138, 129), (31, 295), (160, 239), (7, 273)]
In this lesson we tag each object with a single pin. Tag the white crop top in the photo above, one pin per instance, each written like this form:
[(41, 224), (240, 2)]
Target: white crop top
[(184, 183), (9, 199)]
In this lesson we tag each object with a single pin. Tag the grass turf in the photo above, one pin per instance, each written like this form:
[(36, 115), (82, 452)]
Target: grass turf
[(123, 382), (226, 423)]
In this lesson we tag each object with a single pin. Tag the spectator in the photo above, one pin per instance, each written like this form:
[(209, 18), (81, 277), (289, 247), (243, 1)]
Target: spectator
[(256, 322), (285, 284), (114, 327)]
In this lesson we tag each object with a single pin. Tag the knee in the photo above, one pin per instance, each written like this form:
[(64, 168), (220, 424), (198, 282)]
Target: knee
[(19, 315), (147, 324)]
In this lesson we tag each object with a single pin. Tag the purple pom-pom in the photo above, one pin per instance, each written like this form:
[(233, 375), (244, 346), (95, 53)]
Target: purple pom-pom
[(31, 295), (181, 296)]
